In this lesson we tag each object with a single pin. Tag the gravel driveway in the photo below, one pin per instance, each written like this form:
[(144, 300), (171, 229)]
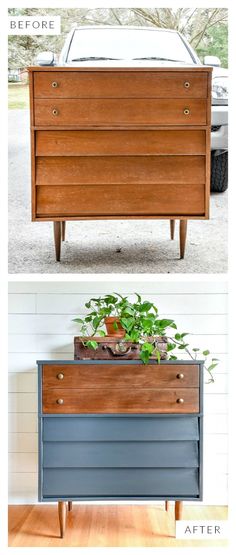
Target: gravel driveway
[(103, 246)]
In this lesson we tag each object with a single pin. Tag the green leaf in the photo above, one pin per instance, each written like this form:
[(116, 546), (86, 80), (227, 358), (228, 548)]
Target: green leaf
[(171, 347), (206, 353), (144, 355), (211, 367), (115, 326), (165, 323), (148, 347), (177, 336), (173, 357), (146, 306), (195, 350), (88, 319), (101, 333), (91, 344), (78, 320)]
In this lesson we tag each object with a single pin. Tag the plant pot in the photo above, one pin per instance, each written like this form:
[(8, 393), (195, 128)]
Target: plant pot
[(109, 323)]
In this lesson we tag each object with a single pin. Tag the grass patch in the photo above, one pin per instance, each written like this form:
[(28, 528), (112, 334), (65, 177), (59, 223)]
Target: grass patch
[(18, 96)]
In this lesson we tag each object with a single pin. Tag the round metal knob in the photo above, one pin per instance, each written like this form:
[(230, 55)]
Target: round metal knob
[(54, 84), (180, 401), (60, 376), (60, 401), (186, 111), (55, 112), (186, 84), (180, 376)]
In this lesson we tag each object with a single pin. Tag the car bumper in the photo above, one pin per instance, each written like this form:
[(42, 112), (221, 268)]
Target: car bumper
[(219, 128)]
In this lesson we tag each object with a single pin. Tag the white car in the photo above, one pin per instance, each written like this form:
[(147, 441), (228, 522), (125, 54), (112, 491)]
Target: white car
[(120, 46)]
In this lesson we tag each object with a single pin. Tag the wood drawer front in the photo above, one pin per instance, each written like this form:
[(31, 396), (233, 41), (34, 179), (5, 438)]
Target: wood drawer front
[(120, 142), (114, 376), (120, 200), (120, 428), (120, 401), (121, 454), (98, 170), (119, 112), (120, 482), (120, 84)]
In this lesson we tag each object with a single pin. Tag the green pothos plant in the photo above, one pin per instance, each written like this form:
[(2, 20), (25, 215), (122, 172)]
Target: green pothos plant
[(141, 325)]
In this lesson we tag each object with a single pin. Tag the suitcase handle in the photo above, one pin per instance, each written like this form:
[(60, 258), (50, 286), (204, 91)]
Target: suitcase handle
[(118, 351)]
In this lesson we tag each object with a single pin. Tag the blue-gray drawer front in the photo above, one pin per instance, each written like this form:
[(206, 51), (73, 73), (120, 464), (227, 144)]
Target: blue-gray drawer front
[(121, 454), (117, 482), (116, 428)]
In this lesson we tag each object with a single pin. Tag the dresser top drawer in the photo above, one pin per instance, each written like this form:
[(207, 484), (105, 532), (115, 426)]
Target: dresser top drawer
[(121, 83), (125, 376)]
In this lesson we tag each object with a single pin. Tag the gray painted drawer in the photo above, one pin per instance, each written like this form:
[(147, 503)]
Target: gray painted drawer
[(120, 428), (121, 454), (120, 482)]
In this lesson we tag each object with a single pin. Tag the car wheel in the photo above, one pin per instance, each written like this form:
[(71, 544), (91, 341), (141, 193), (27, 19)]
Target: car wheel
[(219, 172)]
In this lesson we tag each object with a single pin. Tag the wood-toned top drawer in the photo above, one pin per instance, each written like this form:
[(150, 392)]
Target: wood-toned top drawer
[(120, 112), (99, 170), (125, 376), (109, 400), (120, 84), (120, 200), (120, 142)]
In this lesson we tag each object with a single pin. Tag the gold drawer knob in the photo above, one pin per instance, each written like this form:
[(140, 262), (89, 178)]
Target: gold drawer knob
[(54, 84), (55, 112), (60, 401), (186, 111), (187, 84), (180, 401), (60, 376), (180, 376)]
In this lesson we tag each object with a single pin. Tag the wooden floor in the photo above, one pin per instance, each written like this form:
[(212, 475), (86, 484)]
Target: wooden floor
[(106, 526)]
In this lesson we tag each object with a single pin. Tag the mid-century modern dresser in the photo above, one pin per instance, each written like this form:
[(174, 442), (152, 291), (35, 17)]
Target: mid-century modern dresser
[(115, 143), (120, 431)]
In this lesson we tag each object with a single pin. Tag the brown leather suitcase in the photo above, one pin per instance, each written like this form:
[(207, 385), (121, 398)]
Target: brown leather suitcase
[(110, 348)]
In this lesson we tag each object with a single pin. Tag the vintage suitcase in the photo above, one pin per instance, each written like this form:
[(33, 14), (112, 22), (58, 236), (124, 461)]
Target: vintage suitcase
[(110, 348)]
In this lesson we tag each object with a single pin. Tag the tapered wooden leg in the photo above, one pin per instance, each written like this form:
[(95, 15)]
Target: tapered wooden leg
[(57, 240), (63, 231), (182, 236), (178, 510), (172, 229), (69, 505), (167, 505), (62, 517)]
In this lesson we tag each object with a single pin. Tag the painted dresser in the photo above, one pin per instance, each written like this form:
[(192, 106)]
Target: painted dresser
[(116, 143), (120, 431)]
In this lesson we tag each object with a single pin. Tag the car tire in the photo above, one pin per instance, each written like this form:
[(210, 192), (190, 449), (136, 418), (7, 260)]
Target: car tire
[(219, 172)]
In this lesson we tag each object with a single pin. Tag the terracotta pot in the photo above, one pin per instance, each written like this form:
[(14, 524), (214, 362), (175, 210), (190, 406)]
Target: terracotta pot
[(109, 321)]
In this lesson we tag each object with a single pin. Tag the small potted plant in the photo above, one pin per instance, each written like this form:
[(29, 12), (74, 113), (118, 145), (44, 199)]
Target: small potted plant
[(137, 323)]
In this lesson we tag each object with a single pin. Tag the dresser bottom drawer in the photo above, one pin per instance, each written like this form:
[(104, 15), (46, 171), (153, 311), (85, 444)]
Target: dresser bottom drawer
[(135, 482), (120, 200)]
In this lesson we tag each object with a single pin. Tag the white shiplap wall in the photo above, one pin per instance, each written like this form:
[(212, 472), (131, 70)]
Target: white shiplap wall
[(40, 327)]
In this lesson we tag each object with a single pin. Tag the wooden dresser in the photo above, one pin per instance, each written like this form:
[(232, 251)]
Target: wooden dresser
[(120, 431), (115, 143)]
